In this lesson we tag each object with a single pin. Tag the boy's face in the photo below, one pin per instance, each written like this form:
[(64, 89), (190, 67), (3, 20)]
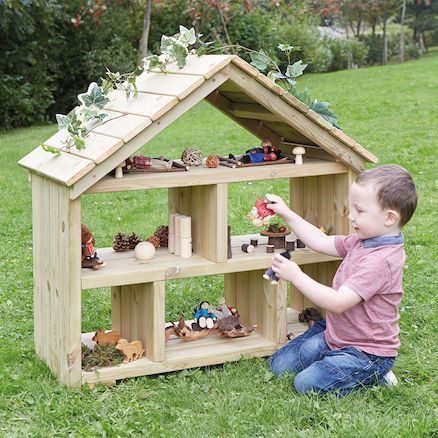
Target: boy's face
[(366, 216)]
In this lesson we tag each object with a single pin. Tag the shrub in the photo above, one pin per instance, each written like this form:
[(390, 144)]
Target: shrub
[(27, 68), (346, 53)]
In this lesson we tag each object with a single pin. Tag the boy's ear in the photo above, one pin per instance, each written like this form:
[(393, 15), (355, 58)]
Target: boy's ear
[(392, 217)]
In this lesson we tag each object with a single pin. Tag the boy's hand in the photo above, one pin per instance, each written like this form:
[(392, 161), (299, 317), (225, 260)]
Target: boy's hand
[(284, 268), (277, 205)]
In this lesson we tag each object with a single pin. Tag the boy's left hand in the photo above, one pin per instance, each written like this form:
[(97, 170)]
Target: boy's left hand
[(284, 268)]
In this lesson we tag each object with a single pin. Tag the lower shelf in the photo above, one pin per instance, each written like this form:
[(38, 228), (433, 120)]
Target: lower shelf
[(180, 355)]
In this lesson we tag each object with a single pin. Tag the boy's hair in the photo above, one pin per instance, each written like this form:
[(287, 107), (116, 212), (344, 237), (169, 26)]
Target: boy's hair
[(394, 188)]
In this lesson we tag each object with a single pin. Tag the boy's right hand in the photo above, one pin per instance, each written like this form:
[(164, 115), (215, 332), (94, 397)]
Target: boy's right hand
[(277, 205)]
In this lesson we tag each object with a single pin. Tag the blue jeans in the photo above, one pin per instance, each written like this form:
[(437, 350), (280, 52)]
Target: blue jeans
[(323, 370)]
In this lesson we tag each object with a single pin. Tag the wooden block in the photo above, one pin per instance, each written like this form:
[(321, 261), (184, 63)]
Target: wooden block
[(145, 104), (205, 65), (243, 65), (270, 84), (139, 313), (207, 206), (123, 126), (341, 190), (259, 303), (63, 168), (57, 290), (179, 85), (98, 147)]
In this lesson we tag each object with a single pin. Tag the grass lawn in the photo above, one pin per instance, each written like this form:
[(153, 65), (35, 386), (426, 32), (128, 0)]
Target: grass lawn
[(390, 110)]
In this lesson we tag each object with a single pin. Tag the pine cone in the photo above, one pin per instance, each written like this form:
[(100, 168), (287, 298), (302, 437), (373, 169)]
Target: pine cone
[(120, 242), (154, 240), (134, 240), (162, 232)]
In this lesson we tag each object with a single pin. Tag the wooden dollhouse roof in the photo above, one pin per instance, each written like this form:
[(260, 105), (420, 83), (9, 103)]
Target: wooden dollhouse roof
[(228, 83)]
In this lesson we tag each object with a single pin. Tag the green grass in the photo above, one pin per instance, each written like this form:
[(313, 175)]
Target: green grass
[(392, 111)]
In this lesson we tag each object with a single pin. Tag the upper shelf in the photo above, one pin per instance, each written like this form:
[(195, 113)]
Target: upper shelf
[(122, 268), (203, 175)]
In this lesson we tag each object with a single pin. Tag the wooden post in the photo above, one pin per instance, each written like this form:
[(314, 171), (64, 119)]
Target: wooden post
[(207, 206), (259, 303), (138, 312), (322, 201), (57, 278)]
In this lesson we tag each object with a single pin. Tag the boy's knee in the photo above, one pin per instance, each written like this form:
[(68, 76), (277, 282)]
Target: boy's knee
[(305, 382), (280, 365)]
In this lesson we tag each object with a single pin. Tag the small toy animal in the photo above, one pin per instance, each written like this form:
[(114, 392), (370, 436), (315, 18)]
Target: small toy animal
[(270, 274), (101, 337), (230, 327), (131, 350), (310, 315)]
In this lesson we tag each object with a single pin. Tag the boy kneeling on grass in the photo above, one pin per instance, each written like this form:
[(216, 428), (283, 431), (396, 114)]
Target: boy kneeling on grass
[(356, 345)]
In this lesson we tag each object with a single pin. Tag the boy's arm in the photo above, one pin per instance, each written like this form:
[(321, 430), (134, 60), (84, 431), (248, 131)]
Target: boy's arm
[(312, 236), (323, 296)]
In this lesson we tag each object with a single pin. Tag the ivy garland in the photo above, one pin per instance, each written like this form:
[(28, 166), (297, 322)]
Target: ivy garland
[(90, 113)]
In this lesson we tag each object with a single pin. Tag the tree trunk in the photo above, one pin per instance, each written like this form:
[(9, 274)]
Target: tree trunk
[(144, 40), (385, 42), (402, 32)]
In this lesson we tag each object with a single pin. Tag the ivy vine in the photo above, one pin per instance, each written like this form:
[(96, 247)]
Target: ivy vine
[(90, 113)]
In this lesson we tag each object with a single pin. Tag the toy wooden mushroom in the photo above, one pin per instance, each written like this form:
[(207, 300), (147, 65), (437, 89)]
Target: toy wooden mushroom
[(119, 170), (298, 151)]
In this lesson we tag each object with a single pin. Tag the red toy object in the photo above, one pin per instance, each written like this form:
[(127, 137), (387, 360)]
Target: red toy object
[(261, 215), (262, 210)]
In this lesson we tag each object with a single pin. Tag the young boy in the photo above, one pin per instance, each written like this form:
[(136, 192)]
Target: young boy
[(356, 345)]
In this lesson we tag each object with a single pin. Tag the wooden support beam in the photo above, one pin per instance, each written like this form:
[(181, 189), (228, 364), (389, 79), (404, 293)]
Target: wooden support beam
[(259, 303), (255, 127), (138, 312), (208, 207), (253, 111), (296, 119), (57, 279)]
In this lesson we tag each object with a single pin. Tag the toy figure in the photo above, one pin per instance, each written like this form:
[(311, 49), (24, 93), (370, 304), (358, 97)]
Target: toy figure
[(131, 350), (261, 215), (223, 310), (266, 152), (270, 274), (89, 255), (203, 316)]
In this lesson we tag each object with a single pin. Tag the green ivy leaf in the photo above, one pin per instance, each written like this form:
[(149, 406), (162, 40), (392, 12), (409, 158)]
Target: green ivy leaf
[(296, 69), (260, 60), (275, 75), (62, 120), (166, 43), (179, 53), (187, 37), (288, 48), (322, 108), (79, 142), (50, 149), (93, 97)]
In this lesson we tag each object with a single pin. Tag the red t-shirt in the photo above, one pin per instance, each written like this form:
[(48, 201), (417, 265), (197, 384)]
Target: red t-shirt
[(375, 273)]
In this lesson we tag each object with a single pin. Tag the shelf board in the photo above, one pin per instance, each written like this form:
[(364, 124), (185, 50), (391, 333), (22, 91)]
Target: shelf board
[(180, 355), (198, 176), (122, 268)]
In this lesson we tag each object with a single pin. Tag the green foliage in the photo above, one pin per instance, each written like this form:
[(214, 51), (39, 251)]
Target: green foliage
[(346, 53), (27, 30), (173, 49)]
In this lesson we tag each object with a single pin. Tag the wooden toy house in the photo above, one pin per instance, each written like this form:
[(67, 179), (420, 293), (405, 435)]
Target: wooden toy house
[(318, 191)]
